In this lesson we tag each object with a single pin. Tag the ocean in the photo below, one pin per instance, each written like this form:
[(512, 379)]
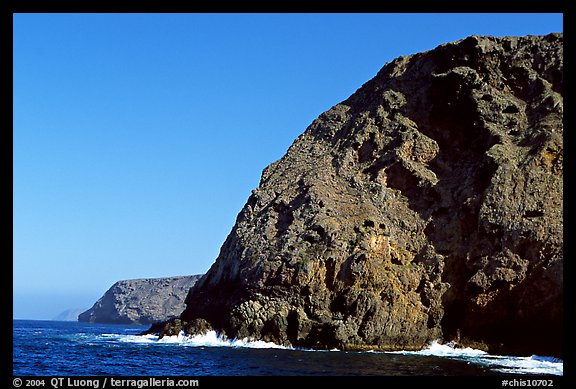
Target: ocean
[(55, 348)]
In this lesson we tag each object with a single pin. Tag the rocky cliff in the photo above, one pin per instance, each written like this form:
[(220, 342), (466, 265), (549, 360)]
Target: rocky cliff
[(69, 314), (428, 205), (142, 301)]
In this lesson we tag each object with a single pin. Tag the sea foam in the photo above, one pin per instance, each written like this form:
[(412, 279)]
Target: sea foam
[(210, 339), (501, 363)]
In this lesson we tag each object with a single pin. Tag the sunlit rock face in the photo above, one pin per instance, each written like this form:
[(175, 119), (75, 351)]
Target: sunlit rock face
[(141, 301), (428, 205)]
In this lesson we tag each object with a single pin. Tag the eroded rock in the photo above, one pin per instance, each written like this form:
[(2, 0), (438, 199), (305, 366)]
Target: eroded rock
[(428, 205), (141, 301)]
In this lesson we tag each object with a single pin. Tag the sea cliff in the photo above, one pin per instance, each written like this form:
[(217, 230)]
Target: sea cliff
[(141, 301), (427, 205)]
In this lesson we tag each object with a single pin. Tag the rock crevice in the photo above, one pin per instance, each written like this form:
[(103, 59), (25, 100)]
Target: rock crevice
[(428, 205)]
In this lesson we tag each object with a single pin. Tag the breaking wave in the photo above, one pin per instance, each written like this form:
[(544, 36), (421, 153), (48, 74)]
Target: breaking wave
[(210, 339), (534, 364), (498, 363)]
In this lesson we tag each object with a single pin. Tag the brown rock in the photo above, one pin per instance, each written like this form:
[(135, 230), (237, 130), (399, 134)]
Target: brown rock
[(428, 205)]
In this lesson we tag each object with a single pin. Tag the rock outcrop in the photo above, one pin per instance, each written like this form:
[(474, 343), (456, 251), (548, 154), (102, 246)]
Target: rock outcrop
[(142, 301), (428, 205)]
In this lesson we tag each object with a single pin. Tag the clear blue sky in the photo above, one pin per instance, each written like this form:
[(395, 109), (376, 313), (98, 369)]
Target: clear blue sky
[(138, 137)]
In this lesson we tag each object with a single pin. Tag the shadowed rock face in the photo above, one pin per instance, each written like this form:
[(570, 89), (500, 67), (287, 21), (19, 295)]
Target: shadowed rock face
[(428, 205), (142, 301)]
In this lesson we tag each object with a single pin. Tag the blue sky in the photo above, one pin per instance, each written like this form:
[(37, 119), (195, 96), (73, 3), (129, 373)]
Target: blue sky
[(138, 137)]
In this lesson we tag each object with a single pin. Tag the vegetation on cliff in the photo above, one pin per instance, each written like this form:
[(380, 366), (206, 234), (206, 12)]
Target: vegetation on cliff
[(428, 205)]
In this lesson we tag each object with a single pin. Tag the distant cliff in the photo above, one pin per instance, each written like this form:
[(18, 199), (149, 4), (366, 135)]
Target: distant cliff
[(141, 301), (428, 205), (69, 314)]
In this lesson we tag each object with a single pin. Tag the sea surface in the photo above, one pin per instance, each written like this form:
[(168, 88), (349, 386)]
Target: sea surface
[(56, 348)]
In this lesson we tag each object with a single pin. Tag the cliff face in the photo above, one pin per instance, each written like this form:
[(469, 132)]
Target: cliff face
[(428, 205), (69, 315), (142, 301)]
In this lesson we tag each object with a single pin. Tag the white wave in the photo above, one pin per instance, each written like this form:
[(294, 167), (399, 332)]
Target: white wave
[(446, 350), (210, 339), (500, 363), (531, 365)]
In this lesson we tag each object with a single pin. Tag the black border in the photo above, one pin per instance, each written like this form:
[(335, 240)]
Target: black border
[(6, 140), (9, 7), (440, 6)]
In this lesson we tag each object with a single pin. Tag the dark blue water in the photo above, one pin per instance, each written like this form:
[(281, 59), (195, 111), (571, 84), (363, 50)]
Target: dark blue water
[(72, 349)]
